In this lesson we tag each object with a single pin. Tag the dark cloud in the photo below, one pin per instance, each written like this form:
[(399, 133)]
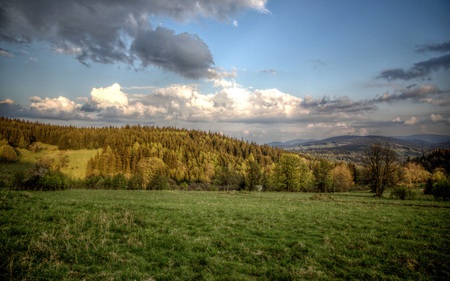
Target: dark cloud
[(89, 107), (442, 47), (413, 92), (268, 71), (11, 110), (102, 31), (400, 74), (6, 53), (423, 69), (339, 104), (183, 53), (420, 70)]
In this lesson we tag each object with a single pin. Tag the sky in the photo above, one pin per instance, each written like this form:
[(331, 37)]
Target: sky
[(258, 70)]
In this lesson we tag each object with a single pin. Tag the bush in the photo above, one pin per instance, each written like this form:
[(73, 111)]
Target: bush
[(8, 154), (183, 186), (402, 193), (5, 183), (39, 178), (441, 190), (159, 181), (428, 189), (53, 181)]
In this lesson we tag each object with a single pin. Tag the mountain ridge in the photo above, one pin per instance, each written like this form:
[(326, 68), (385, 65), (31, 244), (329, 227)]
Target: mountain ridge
[(351, 148), (425, 139)]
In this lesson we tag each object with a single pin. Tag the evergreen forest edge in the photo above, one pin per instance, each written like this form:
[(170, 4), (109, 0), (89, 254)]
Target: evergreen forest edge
[(149, 157)]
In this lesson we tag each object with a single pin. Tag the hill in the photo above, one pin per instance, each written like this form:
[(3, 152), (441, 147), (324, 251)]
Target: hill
[(182, 155), (351, 148), (282, 144), (426, 139)]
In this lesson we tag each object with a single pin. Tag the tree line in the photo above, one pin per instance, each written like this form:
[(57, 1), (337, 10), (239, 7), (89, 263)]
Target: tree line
[(149, 157)]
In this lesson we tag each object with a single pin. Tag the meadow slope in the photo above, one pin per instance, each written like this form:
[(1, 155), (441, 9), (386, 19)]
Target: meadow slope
[(167, 235)]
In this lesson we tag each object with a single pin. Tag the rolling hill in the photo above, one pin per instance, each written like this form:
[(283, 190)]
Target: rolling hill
[(351, 148)]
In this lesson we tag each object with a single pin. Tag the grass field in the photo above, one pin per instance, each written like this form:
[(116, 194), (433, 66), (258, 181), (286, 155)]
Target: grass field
[(164, 235), (76, 168)]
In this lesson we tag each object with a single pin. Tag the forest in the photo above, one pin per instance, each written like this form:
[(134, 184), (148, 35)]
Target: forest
[(149, 157)]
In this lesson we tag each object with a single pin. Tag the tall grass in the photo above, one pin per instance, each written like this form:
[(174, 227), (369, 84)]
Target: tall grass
[(166, 235)]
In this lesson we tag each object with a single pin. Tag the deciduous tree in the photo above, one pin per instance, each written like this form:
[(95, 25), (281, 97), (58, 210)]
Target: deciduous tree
[(342, 177), (382, 168)]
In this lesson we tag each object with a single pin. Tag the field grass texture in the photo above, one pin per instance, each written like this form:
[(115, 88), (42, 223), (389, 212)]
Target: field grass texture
[(175, 235)]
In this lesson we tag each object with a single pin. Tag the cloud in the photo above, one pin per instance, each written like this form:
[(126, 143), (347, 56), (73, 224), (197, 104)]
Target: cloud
[(422, 94), (6, 53), (57, 108), (440, 47), (184, 102), (175, 102), (183, 53), (7, 101), (234, 108), (436, 117), (268, 71), (111, 96), (423, 69), (338, 104), (411, 121), (103, 31)]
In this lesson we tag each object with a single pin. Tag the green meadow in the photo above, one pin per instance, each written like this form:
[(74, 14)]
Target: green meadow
[(176, 235), (75, 169)]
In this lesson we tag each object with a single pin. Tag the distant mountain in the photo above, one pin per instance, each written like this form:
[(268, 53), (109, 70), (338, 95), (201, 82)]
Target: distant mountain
[(434, 139), (290, 143), (352, 148)]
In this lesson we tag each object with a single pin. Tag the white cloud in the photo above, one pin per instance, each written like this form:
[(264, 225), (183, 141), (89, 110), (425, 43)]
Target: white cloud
[(411, 121), (231, 103), (235, 23), (318, 125), (68, 50), (60, 107), (111, 96), (224, 83), (436, 117), (7, 101)]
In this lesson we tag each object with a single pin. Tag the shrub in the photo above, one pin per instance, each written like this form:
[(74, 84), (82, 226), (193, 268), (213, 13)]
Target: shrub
[(38, 178), (5, 183), (183, 186), (441, 190), (53, 181), (428, 189), (159, 181), (402, 193), (8, 154)]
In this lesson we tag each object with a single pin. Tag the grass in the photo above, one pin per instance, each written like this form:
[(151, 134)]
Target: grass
[(167, 235), (76, 168), (77, 162)]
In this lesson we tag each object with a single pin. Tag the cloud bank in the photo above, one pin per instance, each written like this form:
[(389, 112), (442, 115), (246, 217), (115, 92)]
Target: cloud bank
[(260, 113), (230, 103), (103, 31)]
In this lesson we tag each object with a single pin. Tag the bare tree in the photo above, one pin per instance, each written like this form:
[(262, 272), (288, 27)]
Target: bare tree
[(382, 168)]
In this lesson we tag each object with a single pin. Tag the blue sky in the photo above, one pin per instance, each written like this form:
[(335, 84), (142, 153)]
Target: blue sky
[(253, 69)]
